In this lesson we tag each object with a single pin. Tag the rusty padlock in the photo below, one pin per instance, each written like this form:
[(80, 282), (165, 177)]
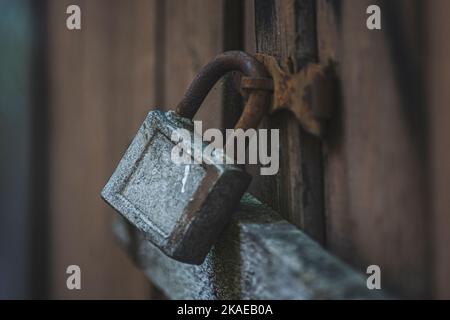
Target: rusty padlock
[(182, 209)]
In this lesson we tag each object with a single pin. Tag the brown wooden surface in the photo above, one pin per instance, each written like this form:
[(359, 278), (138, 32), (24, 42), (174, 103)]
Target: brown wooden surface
[(129, 57), (286, 30), (194, 33), (386, 155), (101, 87), (439, 78), (376, 198), (193, 36), (367, 192)]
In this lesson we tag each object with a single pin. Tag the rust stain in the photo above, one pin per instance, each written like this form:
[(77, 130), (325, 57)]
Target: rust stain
[(308, 94)]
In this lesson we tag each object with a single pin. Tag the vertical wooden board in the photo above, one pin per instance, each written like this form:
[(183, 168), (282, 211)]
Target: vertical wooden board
[(249, 27), (286, 30), (92, 73), (132, 41), (376, 200), (264, 188), (143, 66), (63, 46), (335, 165), (439, 78), (193, 37)]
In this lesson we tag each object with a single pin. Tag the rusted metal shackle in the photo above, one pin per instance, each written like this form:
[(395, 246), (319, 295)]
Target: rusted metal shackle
[(258, 83)]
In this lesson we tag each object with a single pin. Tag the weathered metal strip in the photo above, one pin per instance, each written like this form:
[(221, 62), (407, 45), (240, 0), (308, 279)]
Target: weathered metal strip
[(259, 256), (309, 94)]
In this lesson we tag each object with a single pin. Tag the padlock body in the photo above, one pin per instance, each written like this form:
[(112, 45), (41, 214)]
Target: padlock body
[(181, 208)]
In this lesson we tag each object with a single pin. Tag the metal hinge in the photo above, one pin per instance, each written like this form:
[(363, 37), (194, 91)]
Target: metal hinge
[(309, 94)]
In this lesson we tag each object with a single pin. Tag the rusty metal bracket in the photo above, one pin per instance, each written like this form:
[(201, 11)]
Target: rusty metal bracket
[(308, 94), (258, 100)]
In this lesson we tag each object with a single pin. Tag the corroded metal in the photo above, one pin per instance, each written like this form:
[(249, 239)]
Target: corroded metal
[(258, 100), (182, 208), (308, 94), (248, 83)]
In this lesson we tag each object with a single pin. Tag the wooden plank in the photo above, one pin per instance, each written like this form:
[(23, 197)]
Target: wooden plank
[(286, 30), (376, 197), (259, 256), (196, 31), (194, 35), (101, 87), (249, 27), (439, 77)]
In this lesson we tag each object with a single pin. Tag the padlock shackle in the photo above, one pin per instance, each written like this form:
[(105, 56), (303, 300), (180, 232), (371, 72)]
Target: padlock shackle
[(259, 98)]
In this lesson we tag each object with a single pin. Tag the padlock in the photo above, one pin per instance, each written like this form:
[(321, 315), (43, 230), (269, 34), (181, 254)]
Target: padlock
[(182, 208)]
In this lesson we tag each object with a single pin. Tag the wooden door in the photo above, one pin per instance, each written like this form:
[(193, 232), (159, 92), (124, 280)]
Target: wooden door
[(100, 87), (369, 192), (128, 58)]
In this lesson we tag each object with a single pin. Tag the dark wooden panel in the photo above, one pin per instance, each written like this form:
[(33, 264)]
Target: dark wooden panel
[(194, 35), (439, 78), (286, 30), (132, 57), (102, 85), (249, 27), (376, 197)]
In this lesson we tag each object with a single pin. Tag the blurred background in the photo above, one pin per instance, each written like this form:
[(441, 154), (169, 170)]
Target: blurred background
[(72, 100)]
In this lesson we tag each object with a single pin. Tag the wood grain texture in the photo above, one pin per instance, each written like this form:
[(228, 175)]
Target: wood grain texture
[(376, 196), (194, 36), (286, 30), (439, 78), (190, 34), (259, 256), (132, 55), (101, 88)]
